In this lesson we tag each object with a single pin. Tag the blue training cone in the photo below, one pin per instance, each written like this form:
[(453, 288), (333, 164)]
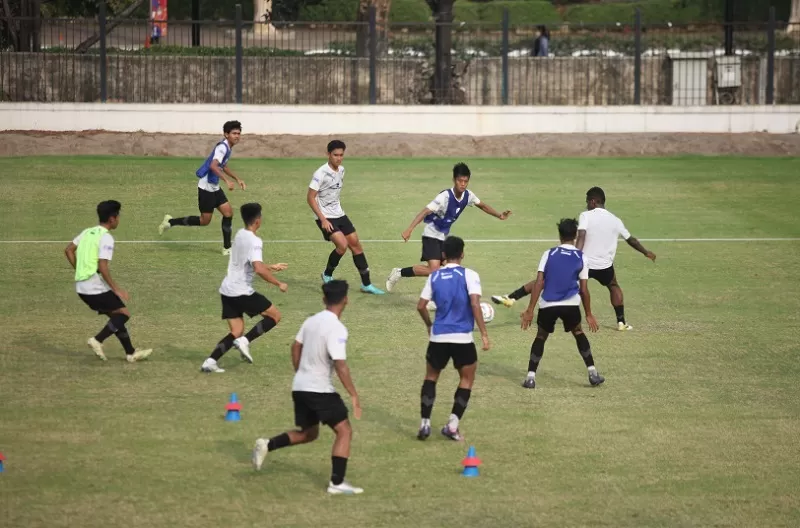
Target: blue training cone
[(471, 463), (233, 409)]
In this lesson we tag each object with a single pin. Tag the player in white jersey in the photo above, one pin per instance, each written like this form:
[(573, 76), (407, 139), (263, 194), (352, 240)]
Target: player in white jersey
[(318, 350), (209, 194), (323, 198), (439, 216), (89, 254), (237, 293)]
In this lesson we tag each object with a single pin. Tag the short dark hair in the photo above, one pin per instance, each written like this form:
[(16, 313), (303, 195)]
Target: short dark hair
[(336, 144), (567, 229), (250, 213), (108, 209), (596, 193), (461, 169), (453, 247), (230, 126), (334, 291)]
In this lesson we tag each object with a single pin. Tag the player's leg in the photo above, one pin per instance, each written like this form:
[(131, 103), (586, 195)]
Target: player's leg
[(431, 255), (206, 203), (339, 249), (617, 301), (572, 323), (333, 413), (465, 359), (359, 259), (233, 314), (226, 211), (270, 318), (305, 418), (509, 300), (436, 359), (546, 325)]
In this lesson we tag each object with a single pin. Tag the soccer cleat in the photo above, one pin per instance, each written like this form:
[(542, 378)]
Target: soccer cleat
[(505, 300), (259, 453), (622, 327), (139, 355), (164, 225), (343, 489), (372, 289), (326, 278), (529, 383), (394, 276), (424, 432), (226, 252), (595, 379), (97, 348), (452, 435), (243, 346), (209, 365)]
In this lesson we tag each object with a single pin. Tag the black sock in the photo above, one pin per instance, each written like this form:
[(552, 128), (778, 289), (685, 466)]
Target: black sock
[(125, 340), (227, 222), (427, 397), (277, 442), (518, 294), (585, 349), (360, 261), (115, 322), (333, 261), (338, 469), (407, 272), (185, 221), (620, 311), (263, 326), (460, 401), (222, 347), (537, 351)]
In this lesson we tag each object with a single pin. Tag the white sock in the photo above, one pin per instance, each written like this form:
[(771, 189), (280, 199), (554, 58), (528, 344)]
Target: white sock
[(531, 374), (426, 422), (242, 339), (453, 422), (592, 370)]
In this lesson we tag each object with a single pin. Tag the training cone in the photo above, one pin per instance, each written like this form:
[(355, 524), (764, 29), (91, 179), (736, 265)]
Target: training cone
[(2, 459), (471, 463), (232, 410)]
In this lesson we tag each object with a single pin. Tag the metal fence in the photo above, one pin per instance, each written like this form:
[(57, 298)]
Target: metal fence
[(80, 60)]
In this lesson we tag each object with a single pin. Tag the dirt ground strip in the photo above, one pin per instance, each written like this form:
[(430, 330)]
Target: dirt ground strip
[(27, 143)]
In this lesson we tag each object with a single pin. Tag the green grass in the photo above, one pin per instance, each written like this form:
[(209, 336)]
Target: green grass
[(697, 424)]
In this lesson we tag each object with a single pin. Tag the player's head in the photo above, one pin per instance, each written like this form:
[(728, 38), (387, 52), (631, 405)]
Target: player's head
[(232, 131), (595, 197), (336, 150), (453, 249), (568, 230), (108, 213), (461, 175), (334, 294), (251, 215)]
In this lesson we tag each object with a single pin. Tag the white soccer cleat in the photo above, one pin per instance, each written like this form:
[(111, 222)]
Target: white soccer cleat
[(164, 225), (243, 346), (343, 489), (394, 276), (226, 252), (97, 348), (623, 327), (139, 355), (260, 453), (209, 365)]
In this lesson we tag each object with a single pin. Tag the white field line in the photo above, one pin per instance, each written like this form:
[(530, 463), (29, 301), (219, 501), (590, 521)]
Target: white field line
[(397, 241)]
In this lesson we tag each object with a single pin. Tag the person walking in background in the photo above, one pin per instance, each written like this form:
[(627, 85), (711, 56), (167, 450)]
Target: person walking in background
[(541, 46)]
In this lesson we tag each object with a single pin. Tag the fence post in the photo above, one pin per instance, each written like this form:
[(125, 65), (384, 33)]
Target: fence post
[(504, 52), (239, 53), (771, 57), (637, 60), (101, 17), (728, 27), (373, 52), (195, 23)]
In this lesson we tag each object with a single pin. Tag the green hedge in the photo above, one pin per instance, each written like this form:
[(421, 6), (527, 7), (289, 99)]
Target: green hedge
[(410, 11), (330, 11), (653, 12), (519, 12)]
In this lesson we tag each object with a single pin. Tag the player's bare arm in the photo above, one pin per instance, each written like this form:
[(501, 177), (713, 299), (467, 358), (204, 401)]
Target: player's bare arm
[(216, 169), (527, 315), (581, 239), (587, 305), (105, 272), (343, 371), (297, 351), (265, 273), (414, 223), (235, 177), (477, 313), (69, 251), (422, 308), (311, 198), (635, 244), (488, 209)]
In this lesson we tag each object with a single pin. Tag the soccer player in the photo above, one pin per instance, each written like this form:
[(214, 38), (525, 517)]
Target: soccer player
[(209, 195), (89, 254), (457, 293), (561, 282), (439, 216), (323, 198), (237, 293), (317, 351)]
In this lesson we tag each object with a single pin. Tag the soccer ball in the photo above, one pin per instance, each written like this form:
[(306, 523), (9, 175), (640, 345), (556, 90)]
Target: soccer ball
[(488, 312)]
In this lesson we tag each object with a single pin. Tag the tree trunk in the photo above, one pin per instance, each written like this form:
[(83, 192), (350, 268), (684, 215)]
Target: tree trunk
[(12, 30), (442, 81), (794, 18), (84, 46), (262, 11), (382, 8)]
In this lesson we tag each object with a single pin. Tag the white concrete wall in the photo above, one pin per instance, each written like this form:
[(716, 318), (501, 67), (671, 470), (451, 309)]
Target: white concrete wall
[(462, 120)]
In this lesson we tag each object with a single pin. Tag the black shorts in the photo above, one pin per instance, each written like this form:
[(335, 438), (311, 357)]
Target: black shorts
[(103, 303), (311, 408), (462, 354), (207, 201), (432, 249), (342, 224), (603, 276), (236, 307), (569, 315)]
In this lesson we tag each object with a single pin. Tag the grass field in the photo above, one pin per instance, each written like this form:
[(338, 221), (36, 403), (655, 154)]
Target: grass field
[(697, 424)]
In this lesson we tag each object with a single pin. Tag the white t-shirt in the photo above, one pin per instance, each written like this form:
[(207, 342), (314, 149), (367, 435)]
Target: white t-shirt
[(95, 285), (328, 183), (473, 288), (219, 155), (575, 300), (246, 249), (324, 340), (439, 207), (603, 230)]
